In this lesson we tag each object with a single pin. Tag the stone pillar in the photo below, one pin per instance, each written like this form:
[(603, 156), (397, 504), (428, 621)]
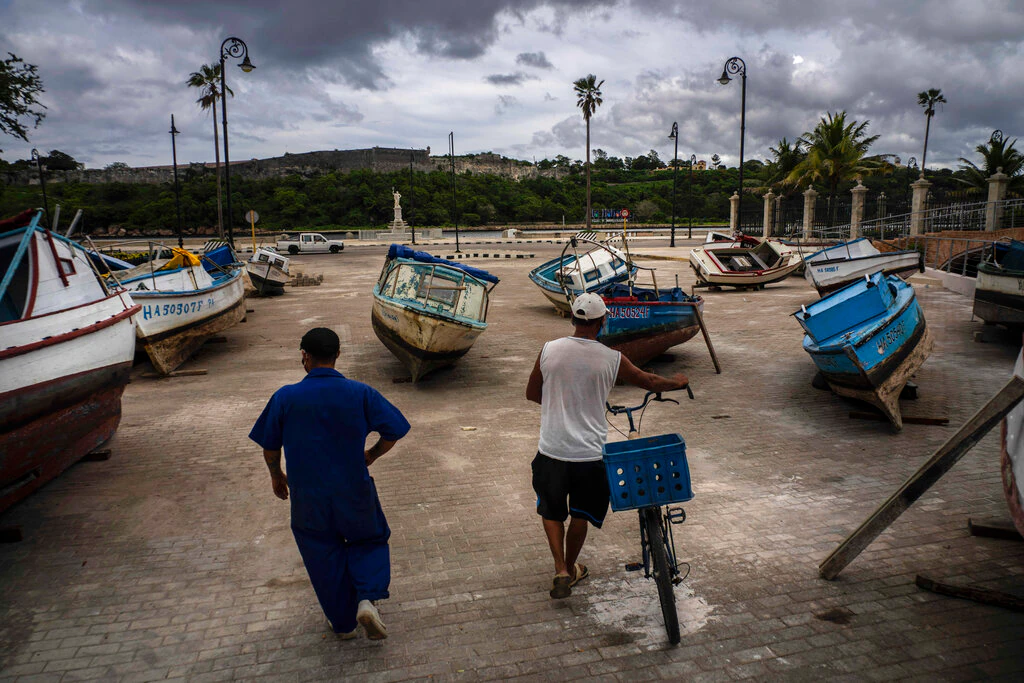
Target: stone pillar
[(997, 185), (810, 197), (917, 204), (857, 209), (734, 212), (769, 214)]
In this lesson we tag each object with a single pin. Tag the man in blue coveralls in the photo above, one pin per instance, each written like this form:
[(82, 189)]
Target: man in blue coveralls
[(322, 423)]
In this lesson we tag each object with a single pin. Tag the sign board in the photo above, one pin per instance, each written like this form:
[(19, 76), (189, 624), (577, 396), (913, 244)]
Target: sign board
[(625, 213), (252, 217)]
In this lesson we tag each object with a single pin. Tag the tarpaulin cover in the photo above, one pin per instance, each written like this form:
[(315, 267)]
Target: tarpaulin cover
[(402, 251), (181, 259)]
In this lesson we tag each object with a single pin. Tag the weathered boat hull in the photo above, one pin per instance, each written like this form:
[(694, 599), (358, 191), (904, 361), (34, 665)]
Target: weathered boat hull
[(709, 264), (422, 342), (873, 358), (829, 276), (267, 279), (61, 380), (643, 330), (38, 450), (1012, 457), (999, 297), (173, 325)]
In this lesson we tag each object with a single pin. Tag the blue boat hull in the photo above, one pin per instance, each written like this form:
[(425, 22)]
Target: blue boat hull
[(886, 340), (645, 326)]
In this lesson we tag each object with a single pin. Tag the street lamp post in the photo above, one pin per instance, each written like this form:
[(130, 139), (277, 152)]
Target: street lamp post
[(455, 206), (734, 66), (177, 192), (674, 135), (689, 197), (42, 183), (233, 48), (412, 200)]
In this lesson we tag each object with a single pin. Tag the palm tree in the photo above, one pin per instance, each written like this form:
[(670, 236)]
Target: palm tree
[(588, 99), (997, 154), (786, 156), (928, 99), (836, 153), (207, 79)]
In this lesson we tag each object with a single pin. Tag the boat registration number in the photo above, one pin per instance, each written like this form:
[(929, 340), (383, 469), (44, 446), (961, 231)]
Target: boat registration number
[(828, 269), (638, 312), (183, 308), (891, 336)]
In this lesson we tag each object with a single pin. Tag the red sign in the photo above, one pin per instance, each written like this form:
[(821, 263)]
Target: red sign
[(625, 213)]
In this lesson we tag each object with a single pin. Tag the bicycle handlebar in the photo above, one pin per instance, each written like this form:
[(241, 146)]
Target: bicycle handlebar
[(618, 410)]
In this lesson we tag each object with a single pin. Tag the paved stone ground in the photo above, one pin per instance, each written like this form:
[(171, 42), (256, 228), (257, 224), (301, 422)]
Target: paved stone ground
[(173, 560)]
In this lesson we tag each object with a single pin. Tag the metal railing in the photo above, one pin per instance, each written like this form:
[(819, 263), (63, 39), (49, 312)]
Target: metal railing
[(969, 217)]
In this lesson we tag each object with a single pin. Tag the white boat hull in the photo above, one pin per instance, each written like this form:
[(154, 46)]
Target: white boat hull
[(999, 298), (832, 275), (174, 324), (710, 265)]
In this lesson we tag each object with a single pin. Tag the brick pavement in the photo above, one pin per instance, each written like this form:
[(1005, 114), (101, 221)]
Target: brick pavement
[(173, 560)]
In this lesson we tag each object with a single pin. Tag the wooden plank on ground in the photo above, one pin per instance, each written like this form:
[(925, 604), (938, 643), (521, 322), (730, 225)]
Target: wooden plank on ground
[(993, 528), (176, 373), (982, 595), (930, 472), (97, 455), (878, 417)]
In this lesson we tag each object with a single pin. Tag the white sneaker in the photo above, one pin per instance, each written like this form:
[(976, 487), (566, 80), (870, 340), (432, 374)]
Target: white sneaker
[(369, 617)]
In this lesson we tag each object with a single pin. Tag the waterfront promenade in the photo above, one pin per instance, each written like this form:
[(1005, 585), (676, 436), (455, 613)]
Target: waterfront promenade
[(173, 559)]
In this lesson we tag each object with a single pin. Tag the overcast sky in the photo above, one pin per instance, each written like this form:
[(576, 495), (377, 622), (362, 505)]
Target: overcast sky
[(403, 73)]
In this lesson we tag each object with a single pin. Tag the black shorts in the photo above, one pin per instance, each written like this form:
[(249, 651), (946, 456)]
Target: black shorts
[(576, 488)]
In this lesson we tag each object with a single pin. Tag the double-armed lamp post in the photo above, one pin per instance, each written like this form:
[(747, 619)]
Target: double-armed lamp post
[(674, 135), (233, 48), (735, 66)]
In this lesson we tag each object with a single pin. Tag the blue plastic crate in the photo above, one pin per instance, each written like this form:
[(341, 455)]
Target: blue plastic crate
[(651, 470)]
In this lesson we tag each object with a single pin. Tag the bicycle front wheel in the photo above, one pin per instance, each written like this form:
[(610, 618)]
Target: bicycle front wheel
[(662, 571)]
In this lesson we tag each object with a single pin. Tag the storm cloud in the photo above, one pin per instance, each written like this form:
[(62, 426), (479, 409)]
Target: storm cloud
[(403, 73)]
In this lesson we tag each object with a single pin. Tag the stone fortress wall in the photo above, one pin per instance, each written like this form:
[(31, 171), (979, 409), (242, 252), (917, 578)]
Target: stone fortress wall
[(308, 164)]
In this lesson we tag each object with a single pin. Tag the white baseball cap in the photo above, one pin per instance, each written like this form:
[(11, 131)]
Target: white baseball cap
[(589, 306)]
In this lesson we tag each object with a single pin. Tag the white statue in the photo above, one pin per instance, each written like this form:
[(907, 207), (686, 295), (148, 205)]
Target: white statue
[(398, 198)]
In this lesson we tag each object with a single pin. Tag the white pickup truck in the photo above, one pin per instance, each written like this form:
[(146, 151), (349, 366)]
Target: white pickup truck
[(309, 243)]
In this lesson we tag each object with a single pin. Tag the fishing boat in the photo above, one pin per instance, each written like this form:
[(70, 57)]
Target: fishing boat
[(183, 305), (739, 239), (428, 311), (836, 266), (645, 322), (735, 265), (1012, 457), (999, 291), (585, 265), (268, 271), (867, 339), (66, 347)]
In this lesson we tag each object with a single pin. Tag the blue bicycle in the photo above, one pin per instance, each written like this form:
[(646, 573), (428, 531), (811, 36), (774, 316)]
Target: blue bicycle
[(648, 474)]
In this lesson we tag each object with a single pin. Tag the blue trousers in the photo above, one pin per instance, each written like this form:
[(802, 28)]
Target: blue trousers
[(343, 540)]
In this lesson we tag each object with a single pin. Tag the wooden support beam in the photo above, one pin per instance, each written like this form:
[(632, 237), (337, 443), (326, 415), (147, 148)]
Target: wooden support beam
[(982, 595), (707, 339), (994, 529), (930, 472)]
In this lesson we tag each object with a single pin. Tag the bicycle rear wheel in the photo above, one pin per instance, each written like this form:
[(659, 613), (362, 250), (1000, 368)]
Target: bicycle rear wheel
[(662, 572)]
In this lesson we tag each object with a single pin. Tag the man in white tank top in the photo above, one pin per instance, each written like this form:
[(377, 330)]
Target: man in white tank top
[(571, 381)]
